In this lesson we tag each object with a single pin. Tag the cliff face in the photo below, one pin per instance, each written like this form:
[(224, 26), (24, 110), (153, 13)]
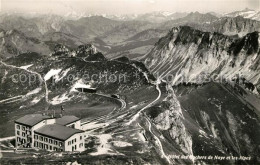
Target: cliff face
[(206, 22), (209, 119), (201, 121), (219, 120), (172, 121), (188, 55), (236, 25)]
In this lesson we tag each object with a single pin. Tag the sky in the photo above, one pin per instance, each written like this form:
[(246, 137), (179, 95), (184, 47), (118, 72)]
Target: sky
[(63, 7)]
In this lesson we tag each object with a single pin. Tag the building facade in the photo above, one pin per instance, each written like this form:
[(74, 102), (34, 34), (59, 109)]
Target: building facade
[(48, 133)]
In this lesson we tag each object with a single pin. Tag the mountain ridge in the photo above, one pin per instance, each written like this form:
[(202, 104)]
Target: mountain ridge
[(189, 53)]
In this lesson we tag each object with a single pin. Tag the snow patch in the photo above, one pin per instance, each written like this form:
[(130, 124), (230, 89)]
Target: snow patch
[(121, 144), (59, 99), (202, 132), (134, 106), (37, 90), (73, 163), (4, 77), (109, 47), (80, 84), (26, 66), (64, 73), (51, 73), (36, 100)]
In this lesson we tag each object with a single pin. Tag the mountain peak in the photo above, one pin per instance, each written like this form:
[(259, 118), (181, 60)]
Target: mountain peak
[(247, 9), (194, 13)]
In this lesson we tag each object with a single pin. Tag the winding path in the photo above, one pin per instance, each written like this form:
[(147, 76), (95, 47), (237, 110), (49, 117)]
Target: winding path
[(147, 106), (158, 141), (38, 74)]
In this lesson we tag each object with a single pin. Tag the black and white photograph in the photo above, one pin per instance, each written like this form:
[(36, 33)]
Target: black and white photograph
[(129, 82)]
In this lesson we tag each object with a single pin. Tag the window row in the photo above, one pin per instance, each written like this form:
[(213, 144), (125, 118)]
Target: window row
[(22, 127), (24, 133), (20, 140), (73, 141), (46, 146), (47, 140)]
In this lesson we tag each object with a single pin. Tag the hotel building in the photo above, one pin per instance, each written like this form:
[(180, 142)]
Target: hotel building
[(48, 133)]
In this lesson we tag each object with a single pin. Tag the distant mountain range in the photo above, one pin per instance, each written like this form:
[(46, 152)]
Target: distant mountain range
[(131, 35), (246, 13), (161, 16), (157, 16)]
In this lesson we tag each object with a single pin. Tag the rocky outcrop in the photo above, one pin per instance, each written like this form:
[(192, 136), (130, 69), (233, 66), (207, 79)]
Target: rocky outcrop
[(60, 50), (172, 121), (86, 50)]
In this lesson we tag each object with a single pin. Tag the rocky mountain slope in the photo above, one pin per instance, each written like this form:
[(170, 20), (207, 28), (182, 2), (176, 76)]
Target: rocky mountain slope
[(222, 73), (30, 79), (209, 23), (89, 27), (229, 26), (14, 42), (190, 55), (219, 120), (157, 123), (104, 33), (137, 45), (31, 26)]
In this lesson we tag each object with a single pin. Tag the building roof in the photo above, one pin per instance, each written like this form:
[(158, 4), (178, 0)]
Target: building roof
[(65, 120), (32, 119), (57, 131)]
